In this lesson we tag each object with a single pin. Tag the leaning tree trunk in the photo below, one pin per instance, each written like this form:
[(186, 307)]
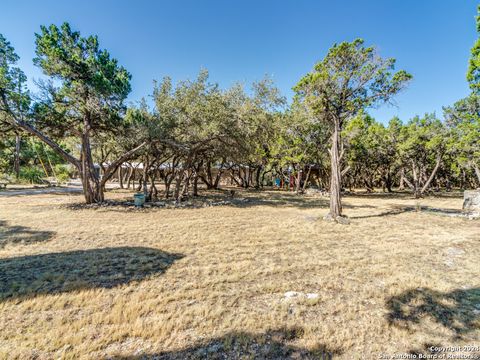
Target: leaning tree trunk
[(217, 179), (129, 176), (17, 156), (92, 186), (307, 178), (335, 178), (432, 175)]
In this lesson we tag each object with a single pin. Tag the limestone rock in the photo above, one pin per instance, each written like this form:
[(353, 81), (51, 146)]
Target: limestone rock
[(292, 294), (471, 203), (328, 217), (471, 200)]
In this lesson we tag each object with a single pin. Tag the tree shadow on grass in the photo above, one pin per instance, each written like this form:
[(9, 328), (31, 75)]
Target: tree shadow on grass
[(397, 210), (273, 344), (280, 199), (405, 194), (241, 199), (24, 192), (458, 310), (28, 276), (21, 235)]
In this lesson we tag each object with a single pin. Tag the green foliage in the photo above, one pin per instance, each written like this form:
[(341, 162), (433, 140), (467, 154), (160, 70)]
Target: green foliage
[(14, 97), (91, 84), (62, 173), (32, 175), (196, 124), (473, 73), (423, 135), (197, 116), (32, 153), (299, 138), (6, 178), (463, 118), (350, 78)]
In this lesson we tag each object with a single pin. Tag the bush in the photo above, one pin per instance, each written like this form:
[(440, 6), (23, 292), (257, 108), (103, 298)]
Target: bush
[(62, 173), (6, 178), (32, 175)]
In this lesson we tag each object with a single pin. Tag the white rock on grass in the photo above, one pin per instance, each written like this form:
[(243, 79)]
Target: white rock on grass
[(471, 201), (292, 294), (299, 295)]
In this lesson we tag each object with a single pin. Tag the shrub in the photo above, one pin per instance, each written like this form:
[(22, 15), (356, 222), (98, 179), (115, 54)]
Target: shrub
[(5, 178), (62, 173), (31, 174)]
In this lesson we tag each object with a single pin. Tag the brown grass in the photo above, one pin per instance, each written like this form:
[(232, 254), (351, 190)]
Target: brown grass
[(210, 282)]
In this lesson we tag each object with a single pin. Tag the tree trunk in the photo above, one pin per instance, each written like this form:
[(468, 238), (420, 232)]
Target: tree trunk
[(92, 186), (368, 184), (217, 178), (92, 189), (389, 182), (307, 177), (129, 176), (180, 177), (110, 170), (209, 183), (195, 184), (234, 179), (335, 178), (416, 193), (186, 185), (477, 172), (168, 181), (432, 175), (120, 177), (299, 179), (146, 166), (153, 194), (402, 179), (17, 156), (257, 177)]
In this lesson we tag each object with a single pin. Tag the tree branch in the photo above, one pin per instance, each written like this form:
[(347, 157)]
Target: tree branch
[(114, 165)]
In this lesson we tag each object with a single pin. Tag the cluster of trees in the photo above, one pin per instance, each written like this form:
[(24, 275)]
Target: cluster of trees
[(423, 152), (27, 159), (197, 132)]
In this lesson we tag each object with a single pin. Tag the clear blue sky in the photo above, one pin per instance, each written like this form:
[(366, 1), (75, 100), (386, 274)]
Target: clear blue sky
[(243, 40)]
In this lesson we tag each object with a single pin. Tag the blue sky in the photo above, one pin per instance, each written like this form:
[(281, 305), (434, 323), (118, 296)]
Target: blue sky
[(244, 40)]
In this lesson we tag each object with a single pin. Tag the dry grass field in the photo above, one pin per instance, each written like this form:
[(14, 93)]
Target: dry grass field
[(210, 282)]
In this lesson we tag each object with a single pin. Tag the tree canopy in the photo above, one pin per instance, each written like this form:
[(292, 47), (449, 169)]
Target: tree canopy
[(194, 132)]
